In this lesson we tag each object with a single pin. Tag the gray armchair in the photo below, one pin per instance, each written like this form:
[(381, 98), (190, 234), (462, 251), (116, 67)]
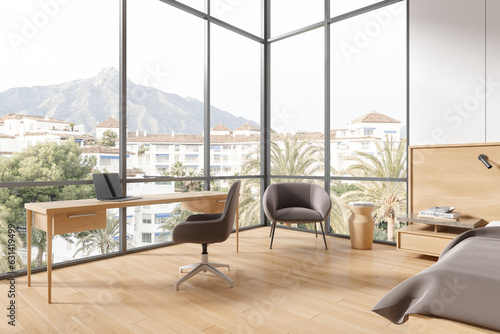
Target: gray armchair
[(207, 229), (290, 202)]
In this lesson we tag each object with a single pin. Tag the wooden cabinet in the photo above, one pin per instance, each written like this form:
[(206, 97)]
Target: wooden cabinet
[(430, 236), (423, 239)]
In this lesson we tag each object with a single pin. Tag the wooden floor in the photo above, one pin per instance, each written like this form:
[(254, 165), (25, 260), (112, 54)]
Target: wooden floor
[(297, 287)]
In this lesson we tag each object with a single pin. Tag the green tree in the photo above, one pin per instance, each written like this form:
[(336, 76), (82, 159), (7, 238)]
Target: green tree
[(43, 162), (8, 238), (105, 240), (389, 197), (108, 138)]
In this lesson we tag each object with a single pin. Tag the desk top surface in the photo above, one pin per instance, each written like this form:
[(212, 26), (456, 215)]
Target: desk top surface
[(94, 204)]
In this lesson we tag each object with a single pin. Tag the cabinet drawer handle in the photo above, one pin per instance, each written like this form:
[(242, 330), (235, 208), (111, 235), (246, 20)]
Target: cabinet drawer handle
[(82, 215), (222, 201)]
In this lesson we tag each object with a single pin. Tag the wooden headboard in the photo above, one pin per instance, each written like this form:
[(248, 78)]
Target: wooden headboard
[(452, 175)]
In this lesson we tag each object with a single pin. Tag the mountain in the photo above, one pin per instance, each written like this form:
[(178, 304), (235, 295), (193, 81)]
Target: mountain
[(91, 101)]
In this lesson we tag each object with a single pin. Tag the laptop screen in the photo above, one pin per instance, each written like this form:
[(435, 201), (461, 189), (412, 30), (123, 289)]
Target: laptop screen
[(107, 186)]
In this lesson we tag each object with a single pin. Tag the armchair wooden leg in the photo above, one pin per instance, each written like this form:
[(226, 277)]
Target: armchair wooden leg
[(273, 228), (316, 229), (323, 230)]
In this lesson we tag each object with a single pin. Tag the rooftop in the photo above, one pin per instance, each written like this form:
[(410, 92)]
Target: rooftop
[(109, 123), (220, 127), (246, 126), (37, 118), (375, 117)]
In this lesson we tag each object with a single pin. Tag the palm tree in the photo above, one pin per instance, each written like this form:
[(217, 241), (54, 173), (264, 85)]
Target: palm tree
[(193, 185), (295, 157), (290, 157), (105, 240), (388, 197), (178, 169), (339, 214), (177, 216)]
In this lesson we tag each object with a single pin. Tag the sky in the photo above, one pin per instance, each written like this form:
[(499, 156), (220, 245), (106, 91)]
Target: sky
[(47, 42)]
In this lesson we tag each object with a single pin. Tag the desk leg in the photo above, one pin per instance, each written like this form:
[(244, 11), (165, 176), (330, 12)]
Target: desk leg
[(29, 222), (50, 221), (238, 227)]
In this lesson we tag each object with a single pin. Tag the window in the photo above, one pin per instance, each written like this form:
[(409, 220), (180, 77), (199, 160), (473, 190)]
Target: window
[(146, 218), (161, 158), (342, 145), (146, 238), (166, 61), (297, 104)]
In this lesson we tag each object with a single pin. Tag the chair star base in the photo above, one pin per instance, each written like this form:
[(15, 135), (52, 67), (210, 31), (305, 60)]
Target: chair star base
[(203, 266)]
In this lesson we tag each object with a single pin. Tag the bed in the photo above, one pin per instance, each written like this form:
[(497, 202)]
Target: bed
[(463, 285), (443, 175)]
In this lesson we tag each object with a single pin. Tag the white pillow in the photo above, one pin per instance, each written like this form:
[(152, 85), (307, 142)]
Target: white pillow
[(494, 223)]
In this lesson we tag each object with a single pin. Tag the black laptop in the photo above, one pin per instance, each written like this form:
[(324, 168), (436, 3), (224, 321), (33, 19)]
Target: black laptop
[(108, 188)]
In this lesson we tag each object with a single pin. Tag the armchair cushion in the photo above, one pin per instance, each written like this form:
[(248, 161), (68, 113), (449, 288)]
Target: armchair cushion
[(298, 214)]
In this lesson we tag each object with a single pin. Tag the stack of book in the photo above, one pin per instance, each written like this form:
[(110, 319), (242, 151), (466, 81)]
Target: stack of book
[(439, 212)]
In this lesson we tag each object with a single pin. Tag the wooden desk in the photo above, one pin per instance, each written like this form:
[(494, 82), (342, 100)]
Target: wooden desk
[(90, 214)]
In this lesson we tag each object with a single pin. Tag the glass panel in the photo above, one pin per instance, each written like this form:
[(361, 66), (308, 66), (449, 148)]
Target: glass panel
[(165, 91), (51, 109), (67, 247), (389, 199), (297, 105), (244, 14), (338, 7), (196, 4), (368, 94), (249, 206), (14, 219), (290, 15), (153, 224), (45, 97), (235, 133)]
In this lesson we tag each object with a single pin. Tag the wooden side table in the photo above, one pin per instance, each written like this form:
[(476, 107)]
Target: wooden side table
[(430, 236), (361, 224)]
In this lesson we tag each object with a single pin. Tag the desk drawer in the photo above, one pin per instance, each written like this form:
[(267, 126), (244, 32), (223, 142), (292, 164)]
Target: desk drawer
[(423, 244), (204, 205), (72, 222), (79, 221)]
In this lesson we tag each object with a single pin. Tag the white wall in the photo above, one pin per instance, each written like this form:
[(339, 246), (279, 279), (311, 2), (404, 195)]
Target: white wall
[(449, 75), (493, 70)]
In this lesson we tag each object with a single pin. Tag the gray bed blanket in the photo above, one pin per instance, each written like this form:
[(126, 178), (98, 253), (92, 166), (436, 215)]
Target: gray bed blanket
[(464, 284)]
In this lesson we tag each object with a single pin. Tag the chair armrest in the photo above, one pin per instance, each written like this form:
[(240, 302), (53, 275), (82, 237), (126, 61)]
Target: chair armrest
[(270, 202), (320, 201)]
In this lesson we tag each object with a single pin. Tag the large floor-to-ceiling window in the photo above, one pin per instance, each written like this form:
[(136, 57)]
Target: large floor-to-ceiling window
[(198, 115)]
